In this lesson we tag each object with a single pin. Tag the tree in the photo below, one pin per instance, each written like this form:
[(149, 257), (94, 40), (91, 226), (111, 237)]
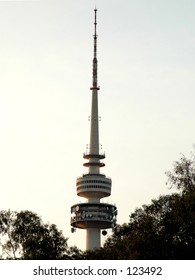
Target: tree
[(25, 236), (183, 175), (9, 247)]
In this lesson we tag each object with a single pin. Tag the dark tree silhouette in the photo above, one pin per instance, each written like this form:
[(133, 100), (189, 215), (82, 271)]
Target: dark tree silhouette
[(25, 236)]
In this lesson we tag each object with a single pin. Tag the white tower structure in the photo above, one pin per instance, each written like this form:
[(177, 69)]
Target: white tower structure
[(93, 215)]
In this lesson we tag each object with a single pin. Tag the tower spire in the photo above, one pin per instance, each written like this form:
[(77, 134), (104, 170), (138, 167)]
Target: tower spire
[(95, 63), (95, 22)]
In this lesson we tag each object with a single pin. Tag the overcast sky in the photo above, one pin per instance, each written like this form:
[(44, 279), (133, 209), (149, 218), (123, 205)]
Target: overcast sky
[(146, 66)]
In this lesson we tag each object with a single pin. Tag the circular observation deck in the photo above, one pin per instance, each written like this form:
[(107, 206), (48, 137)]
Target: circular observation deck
[(93, 185), (93, 215)]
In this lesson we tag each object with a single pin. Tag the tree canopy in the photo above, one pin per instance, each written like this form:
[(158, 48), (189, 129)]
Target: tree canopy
[(25, 236)]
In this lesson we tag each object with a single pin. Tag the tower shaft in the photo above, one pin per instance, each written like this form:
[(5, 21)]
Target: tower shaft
[(94, 135), (92, 238)]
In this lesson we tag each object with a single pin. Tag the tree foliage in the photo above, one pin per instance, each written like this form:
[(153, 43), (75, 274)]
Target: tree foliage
[(183, 175), (25, 236)]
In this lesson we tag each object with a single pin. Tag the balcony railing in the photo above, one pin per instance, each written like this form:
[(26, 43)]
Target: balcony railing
[(88, 155)]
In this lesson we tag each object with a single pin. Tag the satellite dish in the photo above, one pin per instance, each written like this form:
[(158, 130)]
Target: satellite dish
[(104, 232), (73, 230)]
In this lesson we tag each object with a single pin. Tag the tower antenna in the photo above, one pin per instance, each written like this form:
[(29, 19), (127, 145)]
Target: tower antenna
[(95, 22), (95, 62)]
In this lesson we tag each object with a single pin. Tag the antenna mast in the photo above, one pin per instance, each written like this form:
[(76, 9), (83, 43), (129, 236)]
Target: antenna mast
[(95, 63)]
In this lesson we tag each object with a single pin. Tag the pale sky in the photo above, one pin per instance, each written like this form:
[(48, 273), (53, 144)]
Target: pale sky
[(146, 66)]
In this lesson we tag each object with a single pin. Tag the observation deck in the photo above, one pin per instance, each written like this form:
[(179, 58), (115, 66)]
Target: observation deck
[(93, 185), (93, 215)]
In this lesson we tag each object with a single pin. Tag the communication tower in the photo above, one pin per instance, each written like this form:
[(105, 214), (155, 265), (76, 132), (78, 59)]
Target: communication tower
[(93, 215)]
